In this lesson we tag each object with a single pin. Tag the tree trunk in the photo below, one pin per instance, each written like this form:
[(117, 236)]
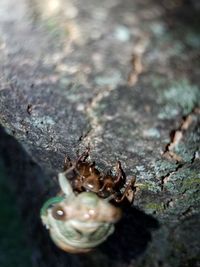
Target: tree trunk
[(122, 77)]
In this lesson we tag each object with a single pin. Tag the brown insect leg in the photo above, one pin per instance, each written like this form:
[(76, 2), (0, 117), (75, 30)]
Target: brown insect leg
[(73, 166), (83, 156), (120, 173), (129, 191), (67, 163), (108, 185), (92, 165)]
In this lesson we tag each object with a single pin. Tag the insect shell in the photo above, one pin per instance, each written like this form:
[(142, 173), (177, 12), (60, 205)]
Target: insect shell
[(78, 223), (86, 177)]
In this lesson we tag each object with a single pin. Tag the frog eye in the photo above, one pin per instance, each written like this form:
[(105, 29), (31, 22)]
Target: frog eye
[(58, 213)]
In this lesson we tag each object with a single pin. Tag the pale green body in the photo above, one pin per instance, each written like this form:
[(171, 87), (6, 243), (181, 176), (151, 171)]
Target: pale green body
[(89, 219)]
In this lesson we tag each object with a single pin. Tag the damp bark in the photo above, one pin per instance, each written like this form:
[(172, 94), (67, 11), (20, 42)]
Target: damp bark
[(122, 77)]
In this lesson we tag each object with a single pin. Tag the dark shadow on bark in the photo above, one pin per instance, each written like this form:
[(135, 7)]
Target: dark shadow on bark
[(185, 15), (132, 235), (32, 187)]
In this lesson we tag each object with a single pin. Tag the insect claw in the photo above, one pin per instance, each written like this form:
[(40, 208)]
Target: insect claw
[(83, 156), (119, 165), (67, 163)]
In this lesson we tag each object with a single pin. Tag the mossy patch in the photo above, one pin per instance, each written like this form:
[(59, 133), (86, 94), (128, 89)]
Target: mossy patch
[(153, 207), (179, 95), (150, 186), (162, 167)]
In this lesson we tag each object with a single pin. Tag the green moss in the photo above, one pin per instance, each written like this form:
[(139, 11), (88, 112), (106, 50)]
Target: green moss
[(157, 81), (163, 167), (181, 94), (190, 185), (168, 112), (152, 133), (113, 78), (153, 207), (122, 33), (150, 186), (191, 182), (170, 186), (182, 150)]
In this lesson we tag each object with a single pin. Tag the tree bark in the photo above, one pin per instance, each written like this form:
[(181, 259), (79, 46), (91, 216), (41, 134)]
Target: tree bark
[(123, 78)]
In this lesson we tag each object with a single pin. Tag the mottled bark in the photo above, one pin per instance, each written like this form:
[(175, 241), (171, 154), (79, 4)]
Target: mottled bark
[(123, 77)]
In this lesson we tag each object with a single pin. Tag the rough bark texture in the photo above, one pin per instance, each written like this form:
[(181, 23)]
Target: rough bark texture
[(123, 77)]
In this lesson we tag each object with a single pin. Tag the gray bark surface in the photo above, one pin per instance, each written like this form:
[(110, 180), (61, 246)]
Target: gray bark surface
[(120, 76)]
